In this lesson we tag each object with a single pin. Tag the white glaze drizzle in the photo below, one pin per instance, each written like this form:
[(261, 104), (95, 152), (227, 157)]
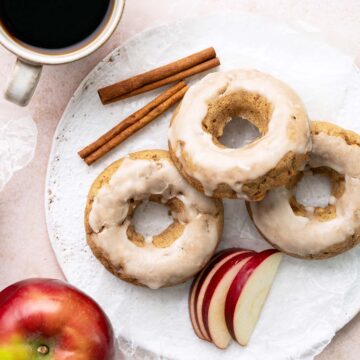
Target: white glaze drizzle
[(214, 165), (340, 156), (152, 266)]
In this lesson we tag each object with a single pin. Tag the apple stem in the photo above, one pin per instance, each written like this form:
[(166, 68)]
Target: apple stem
[(43, 350)]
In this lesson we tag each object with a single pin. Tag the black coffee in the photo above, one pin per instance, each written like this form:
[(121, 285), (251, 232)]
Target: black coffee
[(53, 24)]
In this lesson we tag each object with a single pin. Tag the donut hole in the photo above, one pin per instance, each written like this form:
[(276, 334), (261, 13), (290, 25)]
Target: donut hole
[(151, 218), (313, 190), (228, 115), (152, 222), (238, 133), (315, 193)]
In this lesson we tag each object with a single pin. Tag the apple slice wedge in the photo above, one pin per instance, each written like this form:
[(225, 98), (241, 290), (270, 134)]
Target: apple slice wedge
[(194, 324), (192, 311), (213, 307), (198, 281), (248, 292), (199, 290)]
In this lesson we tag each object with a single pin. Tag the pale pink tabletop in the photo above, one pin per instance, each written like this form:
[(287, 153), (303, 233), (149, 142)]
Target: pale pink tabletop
[(24, 246)]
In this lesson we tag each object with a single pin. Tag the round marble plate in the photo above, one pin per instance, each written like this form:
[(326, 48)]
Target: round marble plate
[(310, 300)]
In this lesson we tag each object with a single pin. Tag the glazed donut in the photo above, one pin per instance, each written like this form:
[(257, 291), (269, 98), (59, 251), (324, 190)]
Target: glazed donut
[(250, 171), (166, 259), (319, 232)]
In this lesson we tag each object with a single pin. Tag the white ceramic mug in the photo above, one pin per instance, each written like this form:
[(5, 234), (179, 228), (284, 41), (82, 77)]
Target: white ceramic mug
[(28, 66)]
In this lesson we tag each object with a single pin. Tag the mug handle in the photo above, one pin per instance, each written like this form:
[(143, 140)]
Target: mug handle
[(23, 82)]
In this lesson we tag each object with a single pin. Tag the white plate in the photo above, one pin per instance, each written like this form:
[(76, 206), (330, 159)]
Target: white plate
[(310, 300)]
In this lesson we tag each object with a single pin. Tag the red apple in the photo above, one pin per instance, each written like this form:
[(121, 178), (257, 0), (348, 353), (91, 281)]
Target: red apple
[(248, 292), (196, 285), (54, 321), (200, 291), (213, 307)]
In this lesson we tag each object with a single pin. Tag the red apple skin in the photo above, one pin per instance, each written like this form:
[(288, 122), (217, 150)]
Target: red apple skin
[(238, 284), (48, 312), (214, 282), (192, 310), (199, 280)]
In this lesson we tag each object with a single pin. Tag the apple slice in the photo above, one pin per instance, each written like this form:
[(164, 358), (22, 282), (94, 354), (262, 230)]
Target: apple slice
[(201, 293), (248, 292), (194, 324), (194, 286), (197, 283), (213, 308)]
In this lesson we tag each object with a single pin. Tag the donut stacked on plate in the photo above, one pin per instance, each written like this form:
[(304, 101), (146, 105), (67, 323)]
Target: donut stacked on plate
[(317, 232), (251, 171), (198, 171), (174, 255)]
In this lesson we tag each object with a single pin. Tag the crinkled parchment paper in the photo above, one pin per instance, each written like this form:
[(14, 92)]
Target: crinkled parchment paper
[(18, 135), (310, 300)]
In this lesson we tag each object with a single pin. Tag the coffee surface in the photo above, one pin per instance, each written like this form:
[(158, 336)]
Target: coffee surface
[(53, 24)]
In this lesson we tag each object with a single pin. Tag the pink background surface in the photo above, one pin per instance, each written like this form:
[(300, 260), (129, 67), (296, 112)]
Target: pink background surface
[(24, 247)]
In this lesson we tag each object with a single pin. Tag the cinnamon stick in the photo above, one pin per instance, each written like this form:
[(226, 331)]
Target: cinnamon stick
[(125, 134), (130, 120), (207, 65), (108, 93)]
